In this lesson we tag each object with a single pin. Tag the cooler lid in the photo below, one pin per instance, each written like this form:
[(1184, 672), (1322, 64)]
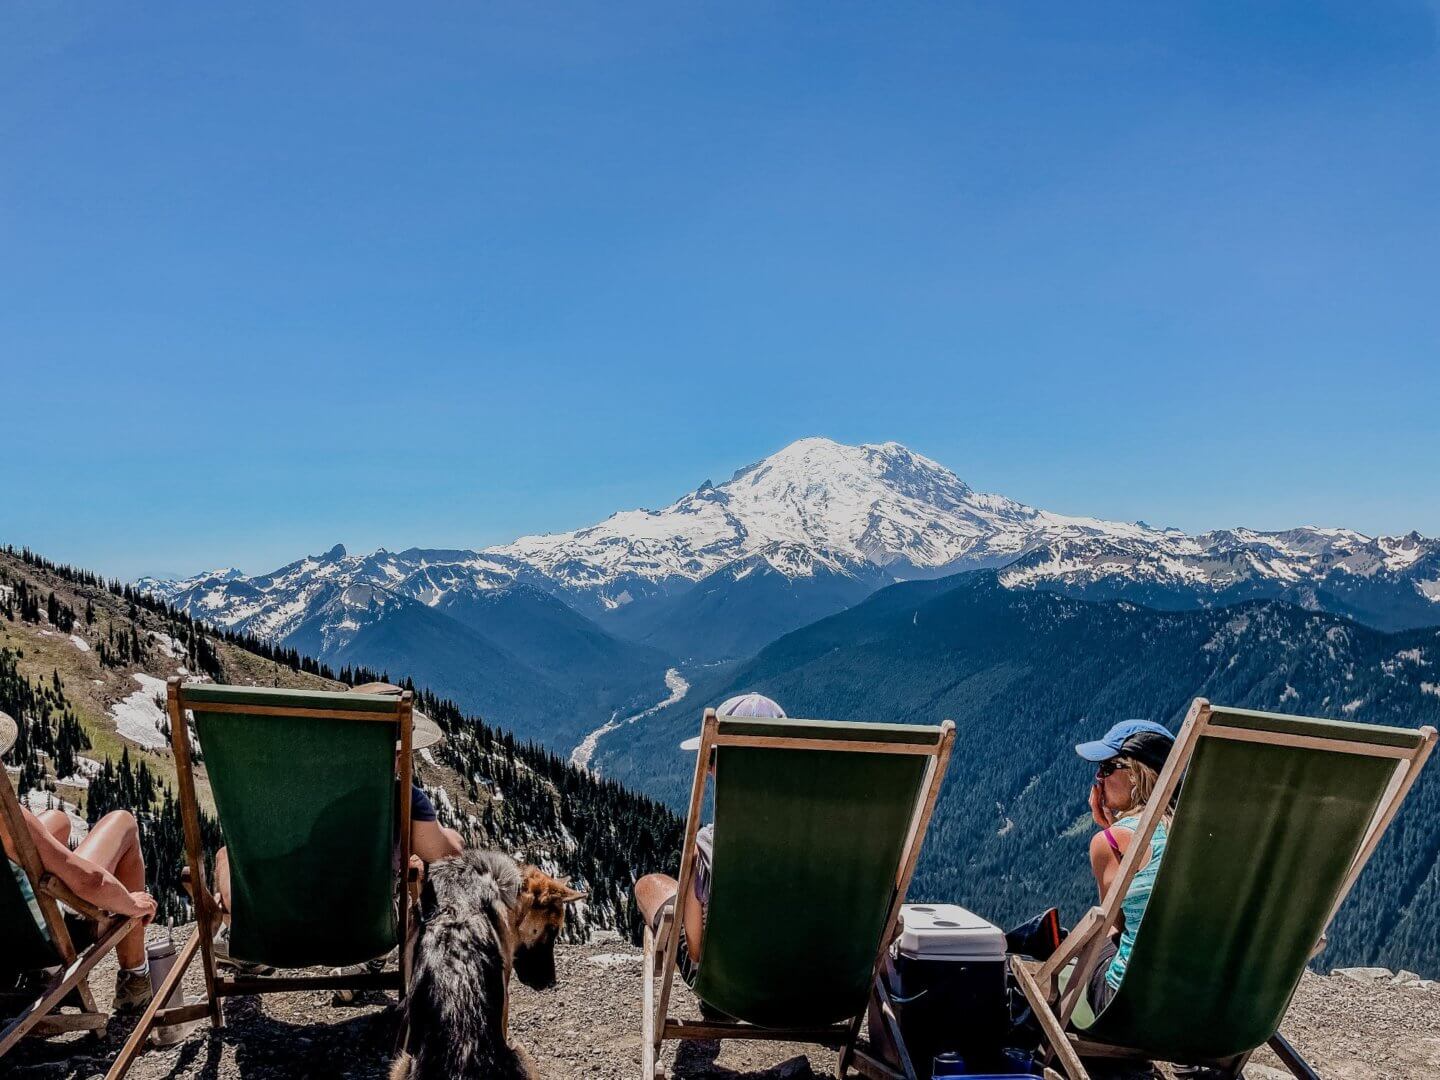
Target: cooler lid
[(949, 931)]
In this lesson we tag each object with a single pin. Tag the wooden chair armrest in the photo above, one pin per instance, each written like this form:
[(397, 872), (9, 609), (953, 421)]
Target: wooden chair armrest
[(53, 886)]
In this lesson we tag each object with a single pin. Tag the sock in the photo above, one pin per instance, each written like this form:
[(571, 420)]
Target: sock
[(143, 969)]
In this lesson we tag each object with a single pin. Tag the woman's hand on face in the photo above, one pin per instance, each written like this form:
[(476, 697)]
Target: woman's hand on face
[(144, 906), (1098, 810)]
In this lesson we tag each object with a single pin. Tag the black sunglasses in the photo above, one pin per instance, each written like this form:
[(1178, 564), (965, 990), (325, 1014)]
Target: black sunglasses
[(1108, 767)]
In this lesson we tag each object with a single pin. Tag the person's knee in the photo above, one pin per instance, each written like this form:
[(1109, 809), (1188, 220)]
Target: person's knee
[(119, 821), (57, 824), (654, 890), (457, 842)]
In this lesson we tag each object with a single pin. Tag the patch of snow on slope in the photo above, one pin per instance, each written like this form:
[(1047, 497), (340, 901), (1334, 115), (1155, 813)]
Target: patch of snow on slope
[(37, 802), (138, 718), (1430, 688), (85, 769), (167, 645)]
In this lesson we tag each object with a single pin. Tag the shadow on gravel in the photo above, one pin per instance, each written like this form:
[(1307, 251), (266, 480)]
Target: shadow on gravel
[(696, 1060), (254, 1045), (270, 1048)]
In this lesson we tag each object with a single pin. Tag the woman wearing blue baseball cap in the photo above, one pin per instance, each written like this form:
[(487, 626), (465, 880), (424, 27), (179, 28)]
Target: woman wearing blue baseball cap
[(1129, 758)]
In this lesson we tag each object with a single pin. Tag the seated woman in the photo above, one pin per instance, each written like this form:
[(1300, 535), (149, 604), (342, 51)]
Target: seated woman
[(1130, 757), (655, 893), (106, 869)]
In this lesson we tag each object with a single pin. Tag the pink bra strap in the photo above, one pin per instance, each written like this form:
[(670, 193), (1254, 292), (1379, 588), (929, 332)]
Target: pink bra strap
[(1114, 846)]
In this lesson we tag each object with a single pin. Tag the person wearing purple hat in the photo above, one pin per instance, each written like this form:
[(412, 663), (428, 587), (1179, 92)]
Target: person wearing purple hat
[(1128, 758), (656, 893)]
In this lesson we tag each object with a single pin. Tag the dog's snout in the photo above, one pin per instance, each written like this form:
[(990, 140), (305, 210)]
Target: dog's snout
[(535, 966)]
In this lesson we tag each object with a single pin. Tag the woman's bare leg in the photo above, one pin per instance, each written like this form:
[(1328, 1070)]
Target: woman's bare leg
[(654, 890), (222, 883), (694, 916), (57, 824), (114, 843)]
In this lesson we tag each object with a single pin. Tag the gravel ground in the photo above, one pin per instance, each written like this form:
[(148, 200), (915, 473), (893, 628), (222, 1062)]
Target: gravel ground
[(589, 1026)]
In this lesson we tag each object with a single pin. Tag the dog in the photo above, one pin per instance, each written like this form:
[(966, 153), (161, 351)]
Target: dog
[(481, 917)]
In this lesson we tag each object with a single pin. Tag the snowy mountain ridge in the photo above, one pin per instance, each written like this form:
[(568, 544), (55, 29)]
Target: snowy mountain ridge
[(868, 514)]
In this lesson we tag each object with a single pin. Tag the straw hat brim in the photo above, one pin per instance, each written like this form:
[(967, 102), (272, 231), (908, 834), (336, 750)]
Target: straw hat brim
[(9, 732), (423, 731)]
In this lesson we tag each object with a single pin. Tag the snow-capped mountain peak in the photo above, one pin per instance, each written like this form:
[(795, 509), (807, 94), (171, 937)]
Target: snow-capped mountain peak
[(880, 503)]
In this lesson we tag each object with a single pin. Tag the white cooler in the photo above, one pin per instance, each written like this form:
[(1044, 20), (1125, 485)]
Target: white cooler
[(946, 975)]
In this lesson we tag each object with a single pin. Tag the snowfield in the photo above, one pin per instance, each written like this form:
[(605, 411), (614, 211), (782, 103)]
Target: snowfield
[(138, 718), (37, 802), (85, 768)]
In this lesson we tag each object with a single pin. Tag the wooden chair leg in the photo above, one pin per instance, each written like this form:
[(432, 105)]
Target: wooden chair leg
[(649, 1044), (1049, 1023), (136, 1042)]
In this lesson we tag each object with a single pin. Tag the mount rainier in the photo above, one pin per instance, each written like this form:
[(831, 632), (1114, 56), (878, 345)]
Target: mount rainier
[(727, 568)]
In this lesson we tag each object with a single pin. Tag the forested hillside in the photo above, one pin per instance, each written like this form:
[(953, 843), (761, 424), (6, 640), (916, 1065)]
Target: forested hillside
[(1027, 675), (82, 664)]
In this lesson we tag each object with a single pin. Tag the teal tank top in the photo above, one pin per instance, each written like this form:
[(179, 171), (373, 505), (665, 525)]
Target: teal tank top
[(1136, 898), (23, 880)]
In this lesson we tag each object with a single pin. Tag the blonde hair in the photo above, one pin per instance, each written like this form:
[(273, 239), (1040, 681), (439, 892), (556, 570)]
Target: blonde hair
[(1142, 784)]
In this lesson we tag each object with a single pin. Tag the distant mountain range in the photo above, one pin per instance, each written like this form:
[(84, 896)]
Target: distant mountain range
[(541, 630), (1026, 675)]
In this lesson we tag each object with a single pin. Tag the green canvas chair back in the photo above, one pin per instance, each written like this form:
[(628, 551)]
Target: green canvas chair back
[(808, 847), (1261, 843), (307, 806), (23, 945)]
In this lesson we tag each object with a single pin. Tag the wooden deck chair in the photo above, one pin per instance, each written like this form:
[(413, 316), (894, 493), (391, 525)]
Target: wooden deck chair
[(313, 801), (817, 829), (1277, 817), (25, 948)]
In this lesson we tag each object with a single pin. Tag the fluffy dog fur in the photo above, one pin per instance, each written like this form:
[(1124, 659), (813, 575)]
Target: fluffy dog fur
[(480, 916)]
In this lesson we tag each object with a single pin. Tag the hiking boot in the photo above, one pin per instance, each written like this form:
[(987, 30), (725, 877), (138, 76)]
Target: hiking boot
[(132, 992), (220, 949), (370, 967)]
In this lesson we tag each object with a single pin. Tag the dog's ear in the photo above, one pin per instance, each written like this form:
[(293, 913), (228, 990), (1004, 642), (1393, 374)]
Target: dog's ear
[(544, 889), (569, 895)]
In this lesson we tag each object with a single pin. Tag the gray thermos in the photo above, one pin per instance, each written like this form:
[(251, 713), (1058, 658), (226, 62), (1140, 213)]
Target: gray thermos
[(162, 958)]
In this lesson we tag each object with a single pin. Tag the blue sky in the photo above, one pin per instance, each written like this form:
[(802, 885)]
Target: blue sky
[(279, 277)]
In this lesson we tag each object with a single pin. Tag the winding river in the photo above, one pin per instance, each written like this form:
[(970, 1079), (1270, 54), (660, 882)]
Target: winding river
[(678, 687)]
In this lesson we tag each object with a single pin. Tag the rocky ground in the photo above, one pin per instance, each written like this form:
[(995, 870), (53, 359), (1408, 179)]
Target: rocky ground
[(1360, 1025)]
